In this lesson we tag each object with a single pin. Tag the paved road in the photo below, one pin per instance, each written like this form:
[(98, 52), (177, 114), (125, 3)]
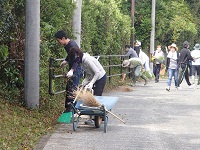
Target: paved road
[(155, 120)]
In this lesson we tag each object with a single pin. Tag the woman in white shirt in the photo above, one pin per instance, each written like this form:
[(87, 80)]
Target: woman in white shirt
[(95, 75)]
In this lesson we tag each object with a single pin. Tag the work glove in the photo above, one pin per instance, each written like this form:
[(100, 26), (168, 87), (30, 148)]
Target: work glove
[(63, 63), (70, 73), (89, 86), (85, 81)]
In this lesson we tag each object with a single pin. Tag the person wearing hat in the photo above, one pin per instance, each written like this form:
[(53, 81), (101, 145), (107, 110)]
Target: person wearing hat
[(137, 47), (183, 60), (172, 65), (196, 65), (131, 53), (142, 56), (136, 65), (158, 59)]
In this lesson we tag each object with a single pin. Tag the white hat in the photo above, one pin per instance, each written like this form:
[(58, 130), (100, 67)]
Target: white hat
[(138, 43), (197, 46), (125, 63), (173, 45)]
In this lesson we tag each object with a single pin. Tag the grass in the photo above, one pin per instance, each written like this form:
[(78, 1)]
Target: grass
[(21, 129)]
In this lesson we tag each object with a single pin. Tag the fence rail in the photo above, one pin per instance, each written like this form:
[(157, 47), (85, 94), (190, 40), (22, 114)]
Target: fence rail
[(112, 69)]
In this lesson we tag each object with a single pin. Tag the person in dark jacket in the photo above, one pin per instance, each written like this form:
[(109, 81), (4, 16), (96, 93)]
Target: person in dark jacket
[(183, 60), (74, 60)]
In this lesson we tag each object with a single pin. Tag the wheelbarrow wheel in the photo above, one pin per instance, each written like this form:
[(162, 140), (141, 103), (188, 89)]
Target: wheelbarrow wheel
[(97, 121)]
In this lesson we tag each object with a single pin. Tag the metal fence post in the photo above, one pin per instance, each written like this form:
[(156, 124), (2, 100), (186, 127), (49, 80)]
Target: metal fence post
[(122, 59), (109, 69), (50, 75)]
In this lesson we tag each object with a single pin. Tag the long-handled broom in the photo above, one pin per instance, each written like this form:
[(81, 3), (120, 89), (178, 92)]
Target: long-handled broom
[(66, 116), (89, 100)]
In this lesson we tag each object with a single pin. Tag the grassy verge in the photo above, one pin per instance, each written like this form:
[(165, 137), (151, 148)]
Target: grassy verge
[(21, 128)]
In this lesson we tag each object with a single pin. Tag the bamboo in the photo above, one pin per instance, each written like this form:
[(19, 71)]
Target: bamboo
[(115, 116)]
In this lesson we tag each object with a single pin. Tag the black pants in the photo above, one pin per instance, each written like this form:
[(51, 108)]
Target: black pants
[(184, 73), (190, 68), (156, 71), (99, 85), (72, 85)]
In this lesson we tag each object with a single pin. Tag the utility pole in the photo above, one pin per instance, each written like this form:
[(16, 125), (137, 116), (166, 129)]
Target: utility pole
[(77, 22), (152, 40), (132, 25), (32, 52)]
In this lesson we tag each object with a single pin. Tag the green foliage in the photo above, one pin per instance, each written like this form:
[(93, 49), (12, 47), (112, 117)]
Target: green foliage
[(148, 74), (55, 15), (182, 21), (3, 52), (124, 6), (104, 29), (11, 82), (173, 18), (12, 21)]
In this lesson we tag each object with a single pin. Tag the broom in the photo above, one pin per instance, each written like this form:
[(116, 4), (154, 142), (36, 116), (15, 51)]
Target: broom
[(66, 116), (88, 99)]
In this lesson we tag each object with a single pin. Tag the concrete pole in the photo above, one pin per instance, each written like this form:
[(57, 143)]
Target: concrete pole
[(77, 22), (152, 40), (132, 25), (32, 48)]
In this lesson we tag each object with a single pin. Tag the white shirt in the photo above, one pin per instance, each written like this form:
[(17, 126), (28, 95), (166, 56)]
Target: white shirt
[(93, 69), (195, 54), (143, 57)]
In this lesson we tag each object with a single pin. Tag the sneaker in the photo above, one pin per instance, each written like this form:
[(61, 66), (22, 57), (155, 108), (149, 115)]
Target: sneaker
[(89, 122), (145, 82), (179, 88), (168, 88), (191, 86), (133, 84)]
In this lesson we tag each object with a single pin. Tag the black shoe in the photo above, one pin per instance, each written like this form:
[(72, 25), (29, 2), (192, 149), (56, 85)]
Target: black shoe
[(69, 109), (168, 88), (89, 122)]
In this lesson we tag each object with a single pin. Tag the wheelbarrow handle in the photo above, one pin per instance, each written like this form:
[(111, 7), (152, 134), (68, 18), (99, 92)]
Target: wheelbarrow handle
[(77, 111)]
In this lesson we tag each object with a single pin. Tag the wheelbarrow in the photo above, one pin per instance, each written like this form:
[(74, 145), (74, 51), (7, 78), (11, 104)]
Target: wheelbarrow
[(98, 113)]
